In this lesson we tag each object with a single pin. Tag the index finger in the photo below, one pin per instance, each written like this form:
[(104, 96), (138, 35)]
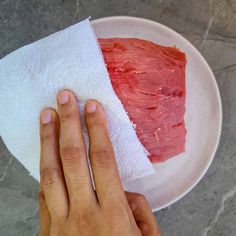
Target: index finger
[(102, 157)]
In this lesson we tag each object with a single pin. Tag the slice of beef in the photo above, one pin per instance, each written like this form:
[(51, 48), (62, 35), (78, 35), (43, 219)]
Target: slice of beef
[(149, 79)]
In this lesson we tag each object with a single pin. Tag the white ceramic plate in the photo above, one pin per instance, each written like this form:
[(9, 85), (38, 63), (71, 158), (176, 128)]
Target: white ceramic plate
[(203, 117)]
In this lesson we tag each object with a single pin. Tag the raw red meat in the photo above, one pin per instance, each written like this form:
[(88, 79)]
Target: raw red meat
[(149, 79)]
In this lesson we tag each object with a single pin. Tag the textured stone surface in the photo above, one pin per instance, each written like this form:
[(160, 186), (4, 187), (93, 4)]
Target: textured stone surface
[(210, 208)]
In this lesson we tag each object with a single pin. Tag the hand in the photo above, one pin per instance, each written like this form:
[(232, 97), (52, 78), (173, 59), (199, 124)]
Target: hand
[(69, 206)]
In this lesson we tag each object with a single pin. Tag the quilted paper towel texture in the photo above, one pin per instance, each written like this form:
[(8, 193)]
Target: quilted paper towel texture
[(30, 78)]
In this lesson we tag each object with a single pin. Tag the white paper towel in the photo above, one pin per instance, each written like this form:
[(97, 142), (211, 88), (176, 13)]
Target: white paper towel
[(31, 77)]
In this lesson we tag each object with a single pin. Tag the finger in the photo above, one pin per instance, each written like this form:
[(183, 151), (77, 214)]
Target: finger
[(44, 216), (52, 181), (102, 157), (142, 214), (73, 153)]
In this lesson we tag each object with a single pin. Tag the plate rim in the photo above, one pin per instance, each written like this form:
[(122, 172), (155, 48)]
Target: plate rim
[(216, 88)]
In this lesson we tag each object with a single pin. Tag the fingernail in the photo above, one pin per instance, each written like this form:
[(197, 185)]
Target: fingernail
[(91, 106), (46, 117), (63, 97)]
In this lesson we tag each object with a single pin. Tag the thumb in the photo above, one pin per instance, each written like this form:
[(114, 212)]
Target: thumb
[(142, 213)]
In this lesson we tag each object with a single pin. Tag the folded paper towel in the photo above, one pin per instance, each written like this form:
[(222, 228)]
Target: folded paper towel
[(31, 77)]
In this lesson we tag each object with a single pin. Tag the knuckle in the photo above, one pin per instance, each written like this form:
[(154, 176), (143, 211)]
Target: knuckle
[(102, 157), (97, 123), (84, 222), (47, 133), (72, 154), (67, 114), (48, 176)]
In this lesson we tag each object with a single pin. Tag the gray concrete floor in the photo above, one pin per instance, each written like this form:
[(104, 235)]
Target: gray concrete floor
[(209, 209)]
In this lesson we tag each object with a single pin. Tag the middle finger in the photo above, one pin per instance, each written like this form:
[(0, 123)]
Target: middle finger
[(73, 154)]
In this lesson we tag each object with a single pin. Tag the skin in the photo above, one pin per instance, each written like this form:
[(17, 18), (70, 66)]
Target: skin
[(69, 206)]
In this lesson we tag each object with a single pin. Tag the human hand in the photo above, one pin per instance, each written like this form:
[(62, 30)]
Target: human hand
[(69, 205)]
